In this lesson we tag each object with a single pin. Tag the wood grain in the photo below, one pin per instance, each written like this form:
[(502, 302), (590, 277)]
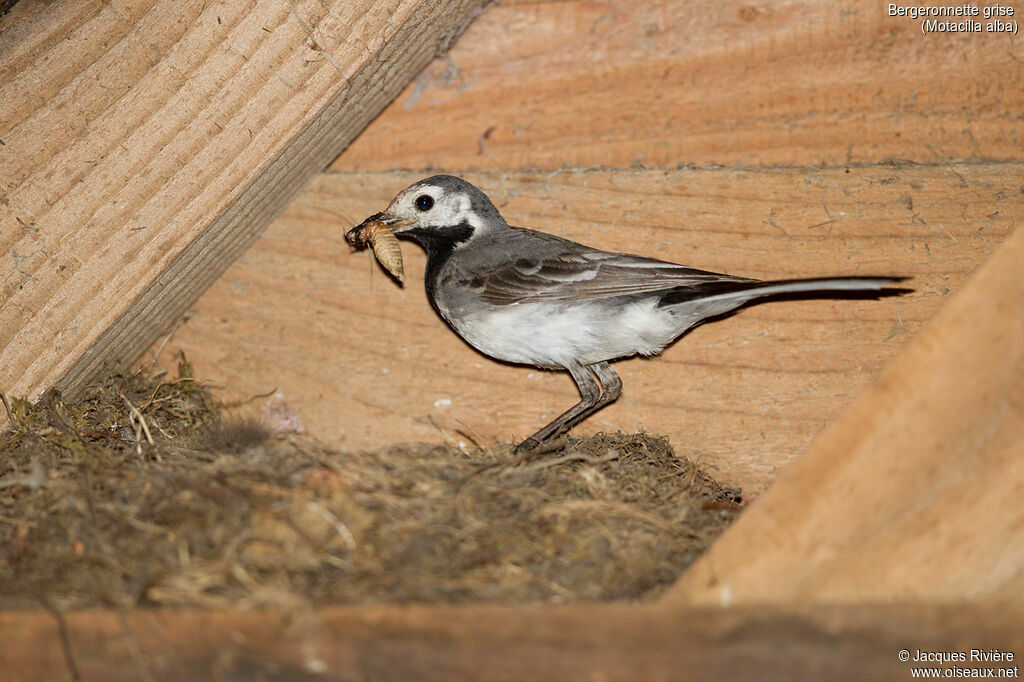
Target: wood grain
[(657, 84), (144, 144), (914, 492), (581, 642), (365, 363)]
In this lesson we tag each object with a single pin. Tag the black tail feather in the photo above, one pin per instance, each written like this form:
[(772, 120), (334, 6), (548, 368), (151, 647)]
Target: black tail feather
[(880, 289)]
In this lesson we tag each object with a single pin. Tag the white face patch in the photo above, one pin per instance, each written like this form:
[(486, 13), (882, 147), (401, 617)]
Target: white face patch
[(471, 217), (431, 206)]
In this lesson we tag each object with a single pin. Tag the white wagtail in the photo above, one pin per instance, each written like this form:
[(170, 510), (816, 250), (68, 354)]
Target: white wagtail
[(532, 298)]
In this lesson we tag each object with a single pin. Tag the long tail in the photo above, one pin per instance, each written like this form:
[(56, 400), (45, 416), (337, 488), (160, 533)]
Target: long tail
[(715, 298), (823, 284)]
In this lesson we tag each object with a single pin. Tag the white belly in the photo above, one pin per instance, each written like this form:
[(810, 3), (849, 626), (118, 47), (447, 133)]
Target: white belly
[(584, 332)]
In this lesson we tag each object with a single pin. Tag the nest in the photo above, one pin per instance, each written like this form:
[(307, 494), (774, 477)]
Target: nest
[(145, 493)]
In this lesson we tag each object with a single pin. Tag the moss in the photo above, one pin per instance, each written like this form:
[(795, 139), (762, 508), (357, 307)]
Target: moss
[(143, 492)]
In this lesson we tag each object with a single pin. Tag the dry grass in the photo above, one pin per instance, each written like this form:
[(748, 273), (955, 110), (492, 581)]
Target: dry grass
[(142, 494)]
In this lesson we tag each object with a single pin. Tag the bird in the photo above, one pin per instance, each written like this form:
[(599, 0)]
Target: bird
[(531, 298)]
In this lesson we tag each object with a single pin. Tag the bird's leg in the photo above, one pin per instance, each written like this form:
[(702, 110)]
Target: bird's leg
[(611, 385), (595, 395), (590, 392)]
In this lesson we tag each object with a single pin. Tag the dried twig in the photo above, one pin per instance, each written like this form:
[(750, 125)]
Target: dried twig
[(139, 422)]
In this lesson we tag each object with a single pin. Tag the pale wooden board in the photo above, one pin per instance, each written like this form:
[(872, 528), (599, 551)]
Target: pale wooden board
[(573, 84), (476, 643), (365, 363), (145, 143), (914, 493)]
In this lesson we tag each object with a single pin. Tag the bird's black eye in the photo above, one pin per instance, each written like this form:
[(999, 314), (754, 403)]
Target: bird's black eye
[(424, 202)]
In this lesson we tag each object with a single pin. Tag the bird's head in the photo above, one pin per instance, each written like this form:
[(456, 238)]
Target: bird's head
[(442, 208)]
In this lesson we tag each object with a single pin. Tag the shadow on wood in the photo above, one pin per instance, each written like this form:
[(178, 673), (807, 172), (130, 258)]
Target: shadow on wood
[(611, 642)]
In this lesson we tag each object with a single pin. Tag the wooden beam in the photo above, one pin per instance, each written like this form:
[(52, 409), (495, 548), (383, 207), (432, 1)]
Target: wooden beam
[(610, 642), (622, 84), (365, 363), (144, 144), (915, 491)]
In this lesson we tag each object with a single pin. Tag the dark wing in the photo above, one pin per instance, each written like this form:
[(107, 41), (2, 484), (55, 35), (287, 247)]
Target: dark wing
[(551, 269)]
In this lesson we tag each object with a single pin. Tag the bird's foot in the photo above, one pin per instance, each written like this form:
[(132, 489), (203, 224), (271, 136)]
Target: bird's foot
[(531, 447)]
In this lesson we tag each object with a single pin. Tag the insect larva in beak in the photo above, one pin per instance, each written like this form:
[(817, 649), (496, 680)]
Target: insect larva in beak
[(386, 248)]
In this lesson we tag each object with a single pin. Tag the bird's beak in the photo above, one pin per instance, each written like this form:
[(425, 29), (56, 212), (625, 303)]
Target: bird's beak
[(395, 224)]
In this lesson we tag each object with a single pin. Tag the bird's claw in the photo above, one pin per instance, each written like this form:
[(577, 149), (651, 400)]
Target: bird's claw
[(534, 448)]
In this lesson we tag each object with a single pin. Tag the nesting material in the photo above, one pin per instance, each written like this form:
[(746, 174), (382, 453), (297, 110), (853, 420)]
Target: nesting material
[(217, 512), (385, 245)]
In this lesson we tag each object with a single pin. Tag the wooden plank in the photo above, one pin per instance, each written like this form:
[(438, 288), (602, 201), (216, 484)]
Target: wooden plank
[(610, 642), (914, 492), (145, 143), (364, 363), (657, 84)]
